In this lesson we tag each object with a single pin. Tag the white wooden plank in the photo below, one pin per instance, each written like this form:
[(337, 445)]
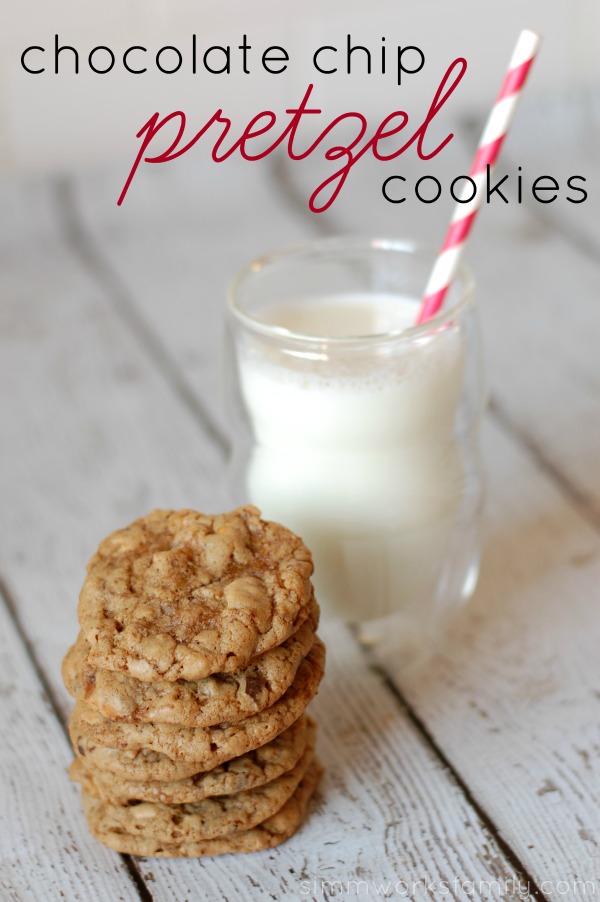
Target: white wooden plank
[(513, 695), (46, 850), (175, 245), (95, 437)]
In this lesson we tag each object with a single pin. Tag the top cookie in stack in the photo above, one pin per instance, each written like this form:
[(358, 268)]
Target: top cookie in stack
[(197, 646)]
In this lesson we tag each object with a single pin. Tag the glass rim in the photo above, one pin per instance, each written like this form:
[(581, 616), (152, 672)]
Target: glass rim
[(344, 243)]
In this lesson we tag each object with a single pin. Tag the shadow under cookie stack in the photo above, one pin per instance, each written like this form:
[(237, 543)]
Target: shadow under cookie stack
[(196, 659)]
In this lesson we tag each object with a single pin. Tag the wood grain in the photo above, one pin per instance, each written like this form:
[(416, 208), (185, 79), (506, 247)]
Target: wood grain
[(46, 850), (511, 698), (173, 251), (95, 434)]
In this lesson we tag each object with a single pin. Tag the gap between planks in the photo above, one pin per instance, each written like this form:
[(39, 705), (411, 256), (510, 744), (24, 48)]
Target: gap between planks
[(84, 246), (12, 610), (506, 849)]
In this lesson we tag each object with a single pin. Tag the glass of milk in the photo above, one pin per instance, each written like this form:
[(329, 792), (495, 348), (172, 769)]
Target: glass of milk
[(359, 430)]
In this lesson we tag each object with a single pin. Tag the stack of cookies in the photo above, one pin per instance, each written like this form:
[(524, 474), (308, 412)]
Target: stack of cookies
[(196, 659)]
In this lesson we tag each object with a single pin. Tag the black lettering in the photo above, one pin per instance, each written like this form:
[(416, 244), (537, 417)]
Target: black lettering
[(570, 181), (24, 54), (245, 47), (350, 50), (316, 65), (126, 64), (179, 60), (424, 178), (538, 187), (282, 58), (91, 56), (462, 198), (402, 68), (495, 189), (58, 50), (226, 64), (392, 200)]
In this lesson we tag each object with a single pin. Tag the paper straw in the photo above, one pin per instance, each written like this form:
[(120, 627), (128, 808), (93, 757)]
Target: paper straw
[(488, 150)]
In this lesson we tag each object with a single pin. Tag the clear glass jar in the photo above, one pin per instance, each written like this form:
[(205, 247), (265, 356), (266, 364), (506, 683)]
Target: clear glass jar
[(358, 429)]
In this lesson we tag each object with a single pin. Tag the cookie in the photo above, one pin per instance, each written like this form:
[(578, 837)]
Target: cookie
[(271, 832), (219, 698), (181, 595), (212, 817), (247, 772), (199, 748)]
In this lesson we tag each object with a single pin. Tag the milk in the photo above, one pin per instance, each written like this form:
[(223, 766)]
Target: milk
[(356, 452)]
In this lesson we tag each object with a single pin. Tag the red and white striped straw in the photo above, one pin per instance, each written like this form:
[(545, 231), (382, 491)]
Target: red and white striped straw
[(488, 150)]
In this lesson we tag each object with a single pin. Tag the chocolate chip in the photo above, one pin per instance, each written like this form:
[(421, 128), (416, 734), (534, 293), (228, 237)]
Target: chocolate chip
[(254, 685)]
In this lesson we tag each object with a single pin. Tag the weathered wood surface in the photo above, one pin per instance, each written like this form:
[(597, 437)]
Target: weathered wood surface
[(110, 338), (95, 433), (513, 697), (46, 851)]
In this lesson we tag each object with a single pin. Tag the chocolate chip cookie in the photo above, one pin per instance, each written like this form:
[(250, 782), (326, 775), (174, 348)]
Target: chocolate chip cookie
[(255, 768), (198, 748), (219, 698), (181, 595)]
